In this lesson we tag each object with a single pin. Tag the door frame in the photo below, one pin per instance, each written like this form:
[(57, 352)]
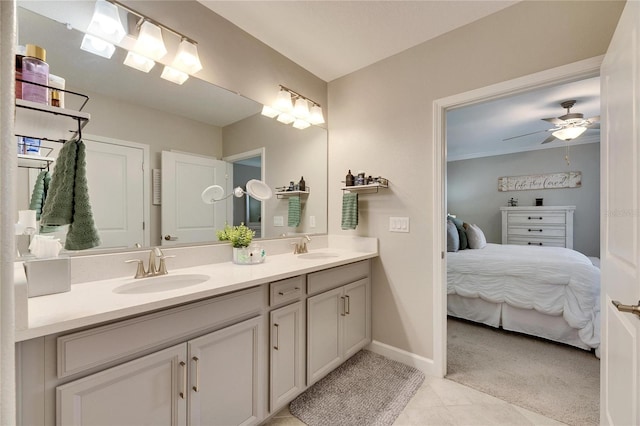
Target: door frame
[(566, 73)]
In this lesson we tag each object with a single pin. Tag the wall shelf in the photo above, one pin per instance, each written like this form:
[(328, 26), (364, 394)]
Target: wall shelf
[(35, 161), (287, 194), (369, 188), (40, 121)]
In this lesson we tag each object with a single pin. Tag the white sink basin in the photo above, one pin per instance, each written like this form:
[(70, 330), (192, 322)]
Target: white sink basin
[(160, 283), (318, 255)]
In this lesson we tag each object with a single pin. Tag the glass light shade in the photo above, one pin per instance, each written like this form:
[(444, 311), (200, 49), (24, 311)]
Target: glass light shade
[(106, 23), (301, 109), (150, 42), (187, 59), (269, 111), (138, 62), (97, 46), (315, 116), (286, 118), (283, 102), (173, 75), (301, 124), (569, 133)]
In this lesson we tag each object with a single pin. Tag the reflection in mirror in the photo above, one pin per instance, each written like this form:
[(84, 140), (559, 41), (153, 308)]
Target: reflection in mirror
[(133, 110)]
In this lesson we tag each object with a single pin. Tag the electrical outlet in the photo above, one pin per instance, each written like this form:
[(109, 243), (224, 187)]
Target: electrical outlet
[(398, 224)]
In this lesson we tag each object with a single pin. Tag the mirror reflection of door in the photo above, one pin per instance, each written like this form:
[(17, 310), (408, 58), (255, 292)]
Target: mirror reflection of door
[(247, 210), (185, 217)]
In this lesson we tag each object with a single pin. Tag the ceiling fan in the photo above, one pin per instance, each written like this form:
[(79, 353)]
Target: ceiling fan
[(568, 126)]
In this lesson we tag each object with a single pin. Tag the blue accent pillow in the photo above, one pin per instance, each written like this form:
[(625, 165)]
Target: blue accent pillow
[(453, 240), (462, 233)]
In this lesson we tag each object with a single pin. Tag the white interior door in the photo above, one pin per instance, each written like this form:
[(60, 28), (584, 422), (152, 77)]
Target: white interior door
[(620, 106), (185, 217), (115, 175)]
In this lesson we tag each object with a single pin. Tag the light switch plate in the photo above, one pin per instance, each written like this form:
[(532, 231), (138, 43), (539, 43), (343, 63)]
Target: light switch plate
[(398, 224), (312, 221), (278, 221)]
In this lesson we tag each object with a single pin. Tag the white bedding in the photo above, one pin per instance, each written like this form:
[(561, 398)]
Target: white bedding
[(551, 280)]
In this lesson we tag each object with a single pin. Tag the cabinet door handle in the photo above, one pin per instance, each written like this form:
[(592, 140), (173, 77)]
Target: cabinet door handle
[(277, 339), (534, 230), (196, 387), (535, 217), (284, 293), (344, 306), (347, 309), (184, 379), (534, 244)]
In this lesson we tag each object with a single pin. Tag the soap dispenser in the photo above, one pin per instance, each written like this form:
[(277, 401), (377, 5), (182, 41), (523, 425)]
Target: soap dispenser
[(349, 179), (302, 185)]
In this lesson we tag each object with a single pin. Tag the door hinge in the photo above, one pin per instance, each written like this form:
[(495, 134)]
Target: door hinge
[(441, 255)]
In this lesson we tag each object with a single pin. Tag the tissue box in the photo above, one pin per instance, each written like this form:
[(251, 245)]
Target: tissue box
[(48, 276)]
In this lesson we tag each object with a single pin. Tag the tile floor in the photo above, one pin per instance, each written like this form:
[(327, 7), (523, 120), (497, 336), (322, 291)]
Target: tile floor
[(444, 402)]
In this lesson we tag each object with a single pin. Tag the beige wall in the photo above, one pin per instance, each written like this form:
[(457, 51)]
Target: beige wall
[(381, 122)]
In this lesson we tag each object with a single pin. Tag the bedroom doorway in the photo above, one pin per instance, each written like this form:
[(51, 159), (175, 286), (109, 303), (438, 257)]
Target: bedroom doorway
[(565, 74)]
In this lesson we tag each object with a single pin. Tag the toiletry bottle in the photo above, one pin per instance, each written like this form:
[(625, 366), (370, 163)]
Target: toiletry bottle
[(302, 185), (349, 179), (36, 70), (56, 82), (55, 98), (20, 51)]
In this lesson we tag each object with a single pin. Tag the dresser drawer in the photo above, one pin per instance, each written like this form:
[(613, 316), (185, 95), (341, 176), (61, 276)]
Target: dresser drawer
[(102, 345), (533, 241), (286, 290), (537, 231), (529, 218)]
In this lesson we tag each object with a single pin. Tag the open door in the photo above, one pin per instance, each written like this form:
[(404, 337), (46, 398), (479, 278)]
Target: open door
[(620, 222), (185, 217)]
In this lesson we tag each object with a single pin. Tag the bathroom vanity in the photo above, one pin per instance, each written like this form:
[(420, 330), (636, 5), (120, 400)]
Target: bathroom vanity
[(232, 346)]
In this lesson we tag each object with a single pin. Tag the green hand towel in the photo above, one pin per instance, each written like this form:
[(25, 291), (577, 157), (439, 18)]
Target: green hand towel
[(38, 194), (349, 210), (294, 211), (58, 205), (82, 230)]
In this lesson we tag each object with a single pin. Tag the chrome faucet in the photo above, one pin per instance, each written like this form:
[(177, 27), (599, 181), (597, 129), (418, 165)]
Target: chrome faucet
[(152, 270), (301, 246)]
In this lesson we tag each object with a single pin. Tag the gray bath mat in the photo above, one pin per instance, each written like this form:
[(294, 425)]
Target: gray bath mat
[(367, 389)]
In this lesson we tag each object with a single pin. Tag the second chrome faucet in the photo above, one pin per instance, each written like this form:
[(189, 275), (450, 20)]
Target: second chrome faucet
[(153, 270)]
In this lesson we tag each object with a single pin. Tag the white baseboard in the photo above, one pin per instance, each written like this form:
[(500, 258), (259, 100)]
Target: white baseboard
[(423, 364)]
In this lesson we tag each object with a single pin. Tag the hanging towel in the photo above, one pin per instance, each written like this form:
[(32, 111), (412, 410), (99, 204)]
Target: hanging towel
[(58, 206), (82, 230), (39, 193), (349, 210), (294, 211)]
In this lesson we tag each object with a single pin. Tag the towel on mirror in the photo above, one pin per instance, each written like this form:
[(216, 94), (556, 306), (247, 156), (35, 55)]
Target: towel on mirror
[(294, 211), (349, 210), (68, 199)]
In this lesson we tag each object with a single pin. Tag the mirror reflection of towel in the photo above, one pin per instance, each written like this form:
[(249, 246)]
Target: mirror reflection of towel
[(294, 211), (349, 210)]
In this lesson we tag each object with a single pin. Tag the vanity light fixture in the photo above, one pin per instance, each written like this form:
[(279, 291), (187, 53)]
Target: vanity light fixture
[(297, 113), (139, 62), (569, 133), (97, 46), (173, 75), (187, 59), (106, 23), (150, 42)]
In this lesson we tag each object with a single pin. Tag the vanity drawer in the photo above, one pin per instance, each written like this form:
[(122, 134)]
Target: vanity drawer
[(320, 281), (286, 290), (102, 345)]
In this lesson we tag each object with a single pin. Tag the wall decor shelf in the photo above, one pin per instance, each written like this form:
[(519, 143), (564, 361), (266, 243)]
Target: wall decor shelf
[(35, 161), (287, 194), (368, 188)]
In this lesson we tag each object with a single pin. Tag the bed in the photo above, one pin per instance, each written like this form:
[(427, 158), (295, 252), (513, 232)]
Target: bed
[(549, 292)]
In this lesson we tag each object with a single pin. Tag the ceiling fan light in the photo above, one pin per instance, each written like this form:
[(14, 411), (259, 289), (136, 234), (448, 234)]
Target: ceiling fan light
[(105, 22), (97, 46), (569, 133), (150, 42), (138, 62)]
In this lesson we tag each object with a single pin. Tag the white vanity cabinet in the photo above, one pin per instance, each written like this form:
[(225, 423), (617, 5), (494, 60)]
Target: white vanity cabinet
[(338, 320), (212, 379)]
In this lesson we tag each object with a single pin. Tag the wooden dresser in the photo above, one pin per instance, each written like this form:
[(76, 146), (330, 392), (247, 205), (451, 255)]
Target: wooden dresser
[(540, 226)]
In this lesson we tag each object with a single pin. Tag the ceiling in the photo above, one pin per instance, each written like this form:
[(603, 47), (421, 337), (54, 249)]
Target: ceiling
[(334, 38)]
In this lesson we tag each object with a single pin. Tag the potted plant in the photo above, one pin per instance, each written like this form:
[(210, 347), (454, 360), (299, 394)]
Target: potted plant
[(240, 238)]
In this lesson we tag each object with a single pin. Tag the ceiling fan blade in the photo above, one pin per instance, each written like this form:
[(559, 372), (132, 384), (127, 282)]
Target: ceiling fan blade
[(526, 134), (554, 120), (594, 119), (593, 126), (551, 138)]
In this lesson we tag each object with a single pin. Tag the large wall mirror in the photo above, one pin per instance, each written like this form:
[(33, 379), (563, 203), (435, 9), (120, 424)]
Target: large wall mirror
[(198, 121)]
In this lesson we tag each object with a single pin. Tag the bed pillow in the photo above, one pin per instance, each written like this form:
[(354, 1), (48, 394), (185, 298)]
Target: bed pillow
[(476, 237), (462, 234), (453, 239)]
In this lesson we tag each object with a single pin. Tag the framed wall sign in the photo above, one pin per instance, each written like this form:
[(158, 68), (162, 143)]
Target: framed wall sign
[(543, 181)]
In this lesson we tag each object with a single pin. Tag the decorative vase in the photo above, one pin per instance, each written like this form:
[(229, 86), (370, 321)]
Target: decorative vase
[(248, 255)]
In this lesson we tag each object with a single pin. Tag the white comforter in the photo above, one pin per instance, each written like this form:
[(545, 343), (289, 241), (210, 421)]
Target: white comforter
[(551, 280)]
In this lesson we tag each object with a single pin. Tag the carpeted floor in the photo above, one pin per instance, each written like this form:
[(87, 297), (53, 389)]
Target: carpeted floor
[(368, 389), (555, 380)]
